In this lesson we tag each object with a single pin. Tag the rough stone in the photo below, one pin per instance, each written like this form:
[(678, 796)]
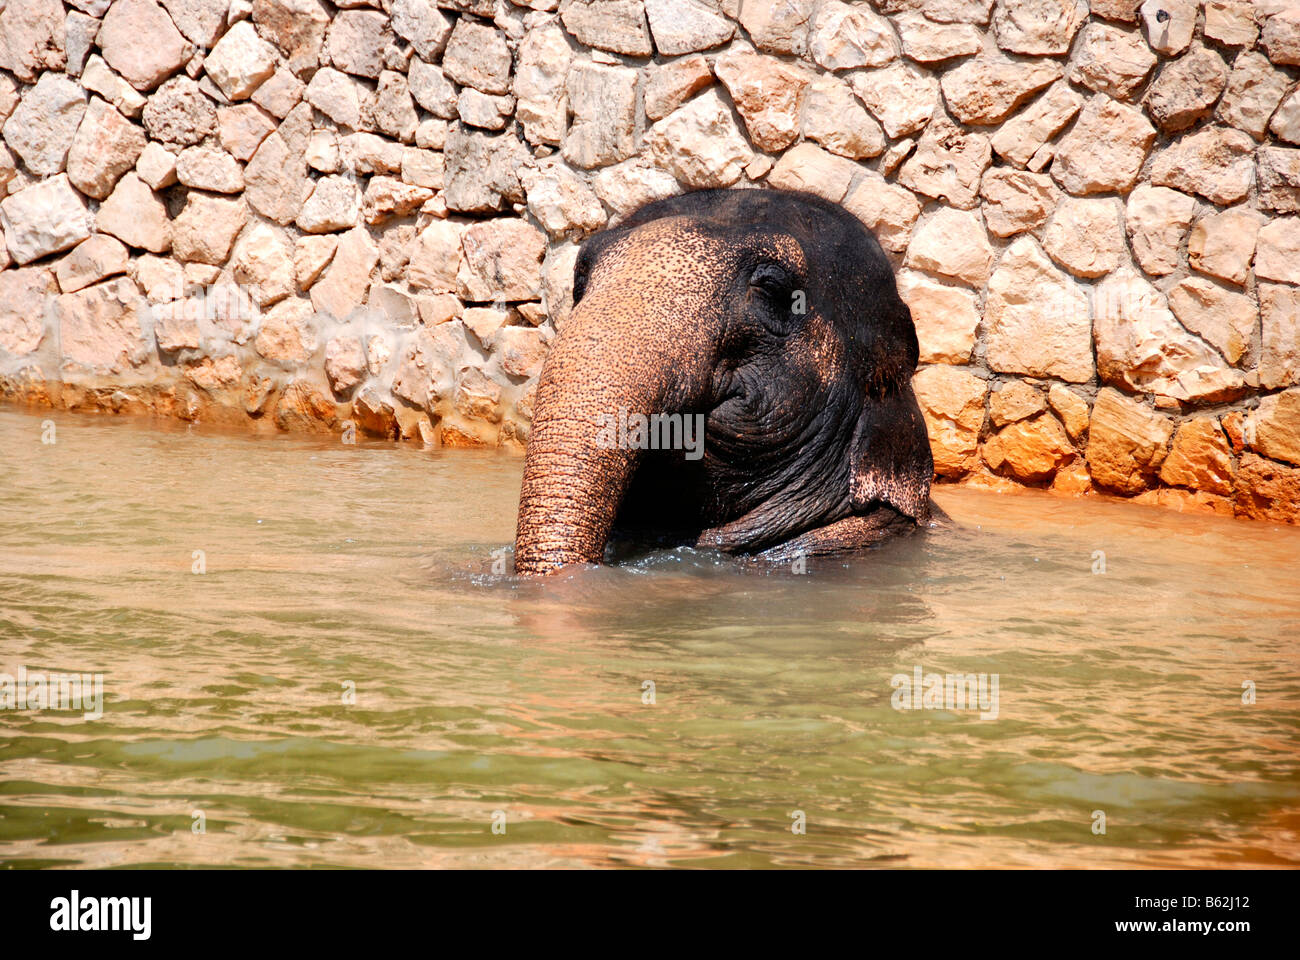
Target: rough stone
[(99, 327), (156, 166), (1278, 179), (521, 350), (1086, 236), (631, 184), (1277, 427), (106, 145), (279, 94), (1281, 35), (810, 168), (1142, 348), (1031, 451), (835, 118), (80, 32), (263, 262), (97, 77), (945, 317), (1224, 319), (669, 85), (1169, 24), (304, 408), (311, 255), (699, 143), (767, 93), (844, 36), (603, 102), (336, 95), (241, 61), (424, 168), (986, 90), (32, 38), (1015, 201), (297, 27), (1285, 124), (42, 127), (561, 201), (928, 42), (1071, 408), (357, 40), (901, 96), (388, 197), (777, 26), (209, 168), (502, 261), (1126, 442), (1223, 244), (25, 294), (1264, 490), (423, 25), (1277, 250), (287, 334), (200, 21), (1255, 88), (394, 112), (345, 363), (1113, 61), (1279, 361), (47, 217), (890, 211), (541, 102), (1038, 27), (90, 261), (1158, 220), (477, 56), (242, 129), (179, 114), (952, 243), (1018, 139), (136, 215), (952, 403), (687, 26), (1200, 458), (141, 43), (206, 228), (342, 287), (1231, 22), (1013, 402), (948, 164), (1038, 318), (1105, 149), (480, 110), (482, 170), (1215, 162), (1187, 89), (275, 180)]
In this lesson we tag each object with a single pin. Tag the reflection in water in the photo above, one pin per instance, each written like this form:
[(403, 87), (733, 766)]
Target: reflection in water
[(332, 568)]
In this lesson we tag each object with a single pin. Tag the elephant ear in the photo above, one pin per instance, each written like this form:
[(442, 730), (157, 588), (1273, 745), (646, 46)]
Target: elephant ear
[(890, 458)]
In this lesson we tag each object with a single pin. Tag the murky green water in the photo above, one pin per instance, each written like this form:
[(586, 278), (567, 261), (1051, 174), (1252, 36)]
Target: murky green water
[(480, 699)]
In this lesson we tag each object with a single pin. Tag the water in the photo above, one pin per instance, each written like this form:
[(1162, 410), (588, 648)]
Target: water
[(480, 697)]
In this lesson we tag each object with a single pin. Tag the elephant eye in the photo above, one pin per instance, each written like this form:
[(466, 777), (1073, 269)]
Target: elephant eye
[(771, 278), (774, 287)]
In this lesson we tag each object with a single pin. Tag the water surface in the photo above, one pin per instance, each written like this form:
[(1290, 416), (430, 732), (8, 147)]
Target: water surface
[(483, 699)]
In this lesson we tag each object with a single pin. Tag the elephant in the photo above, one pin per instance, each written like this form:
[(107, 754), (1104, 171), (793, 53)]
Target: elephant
[(768, 318)]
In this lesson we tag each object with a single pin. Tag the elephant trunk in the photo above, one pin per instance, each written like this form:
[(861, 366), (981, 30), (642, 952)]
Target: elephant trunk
[(607, 363)]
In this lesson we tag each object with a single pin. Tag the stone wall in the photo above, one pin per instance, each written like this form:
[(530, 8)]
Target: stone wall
[(364, 215)]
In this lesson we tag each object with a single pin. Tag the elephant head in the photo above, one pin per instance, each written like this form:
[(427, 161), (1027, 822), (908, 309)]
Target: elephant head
[(772, 319)]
